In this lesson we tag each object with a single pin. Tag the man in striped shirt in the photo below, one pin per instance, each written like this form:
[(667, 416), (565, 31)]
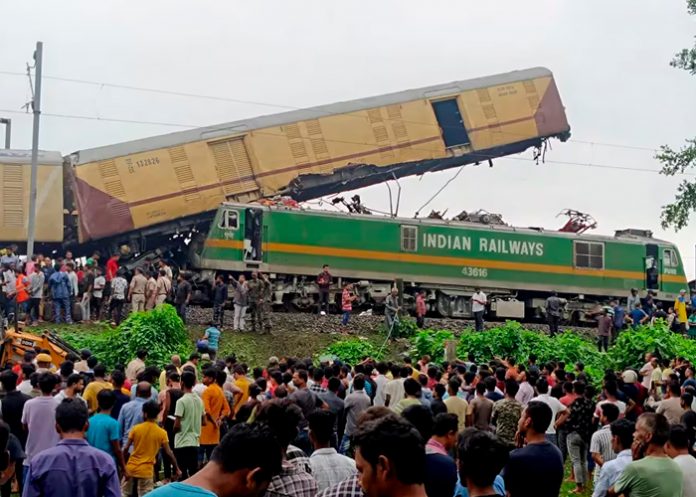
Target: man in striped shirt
[(622, 438), (600, 444)]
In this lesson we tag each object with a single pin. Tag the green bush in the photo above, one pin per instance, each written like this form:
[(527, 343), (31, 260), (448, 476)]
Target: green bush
[(405, 327), (509, 340), (159, 331), (632, 345), (351, 351), (432, 343), (512, 340)]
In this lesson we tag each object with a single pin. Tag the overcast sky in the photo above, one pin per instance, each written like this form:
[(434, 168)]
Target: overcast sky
[(610, 60)]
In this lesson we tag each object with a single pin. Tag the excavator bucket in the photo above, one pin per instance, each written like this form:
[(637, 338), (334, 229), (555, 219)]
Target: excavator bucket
[(16, 342)]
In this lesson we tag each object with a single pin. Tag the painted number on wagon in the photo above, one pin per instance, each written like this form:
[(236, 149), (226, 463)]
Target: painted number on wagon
[(475, 272)]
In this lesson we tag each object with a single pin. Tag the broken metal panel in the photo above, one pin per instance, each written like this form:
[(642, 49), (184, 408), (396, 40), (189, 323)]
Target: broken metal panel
[(354, 176)]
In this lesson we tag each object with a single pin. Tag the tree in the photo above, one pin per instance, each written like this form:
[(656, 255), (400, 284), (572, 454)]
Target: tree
[(675, 162)]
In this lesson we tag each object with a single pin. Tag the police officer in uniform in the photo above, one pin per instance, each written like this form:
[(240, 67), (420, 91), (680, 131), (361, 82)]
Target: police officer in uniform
[(266, 299), (260, 302)]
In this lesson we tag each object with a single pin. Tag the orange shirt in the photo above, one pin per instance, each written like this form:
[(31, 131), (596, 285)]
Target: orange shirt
[(243, 384), (21, 285), (216, 407)]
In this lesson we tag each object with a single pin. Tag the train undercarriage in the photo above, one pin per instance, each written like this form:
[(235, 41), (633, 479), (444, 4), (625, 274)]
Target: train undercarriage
[(295, 293)]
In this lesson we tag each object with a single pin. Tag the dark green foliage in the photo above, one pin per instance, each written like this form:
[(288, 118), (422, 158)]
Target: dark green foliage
[(160, 331), (632, 345), (512, 340), (432, 343), (405, 327), (352, 351)]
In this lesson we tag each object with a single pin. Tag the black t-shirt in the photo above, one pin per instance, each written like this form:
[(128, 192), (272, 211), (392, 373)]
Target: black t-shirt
[(557, 391), (12, 407), (688, 419), (183, 290), (536, 469), (307, 401), (440, 475), (121, 399), (87, 281), (14, 447)]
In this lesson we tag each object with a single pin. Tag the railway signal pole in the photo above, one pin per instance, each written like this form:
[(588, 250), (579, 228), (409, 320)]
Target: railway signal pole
[(36, 108)]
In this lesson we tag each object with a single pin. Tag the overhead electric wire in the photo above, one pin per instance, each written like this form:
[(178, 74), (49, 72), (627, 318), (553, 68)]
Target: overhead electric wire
[(105, 119), (484, 157)]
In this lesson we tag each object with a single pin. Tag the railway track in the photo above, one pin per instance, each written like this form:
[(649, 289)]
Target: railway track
[(289, 322)]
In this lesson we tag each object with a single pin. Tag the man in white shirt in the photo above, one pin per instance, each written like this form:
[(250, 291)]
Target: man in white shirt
[(554, 404), (394, 389), (678, 449), (25, 386), (621, 440), (328, 466), (601, 448), (610, 397), (478, 306), (646, 371), (381, 381), (526, 391)]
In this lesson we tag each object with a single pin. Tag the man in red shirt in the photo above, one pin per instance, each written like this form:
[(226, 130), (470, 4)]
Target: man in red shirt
[(347, 299), (112, 266), (420, 309), (324, 283)]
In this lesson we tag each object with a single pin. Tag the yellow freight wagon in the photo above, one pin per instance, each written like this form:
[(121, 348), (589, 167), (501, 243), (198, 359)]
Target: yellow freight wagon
[(15, 175), (169, 179)]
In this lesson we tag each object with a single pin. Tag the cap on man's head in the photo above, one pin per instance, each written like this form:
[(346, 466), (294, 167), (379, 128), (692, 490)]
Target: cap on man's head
[(43, 358), (629, 376)]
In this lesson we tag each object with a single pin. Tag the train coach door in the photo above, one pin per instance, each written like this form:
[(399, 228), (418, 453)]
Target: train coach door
[(652, 267), (451, 122), (253, 236)]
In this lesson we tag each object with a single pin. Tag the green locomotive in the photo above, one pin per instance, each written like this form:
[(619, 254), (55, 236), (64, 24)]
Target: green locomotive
[(517, 267)]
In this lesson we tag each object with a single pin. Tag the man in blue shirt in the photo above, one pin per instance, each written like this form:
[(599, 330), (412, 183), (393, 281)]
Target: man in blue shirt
[(619, 316), (103, 432), (212, 334), (72, 467), (59, 284), (132, 412), (638, 315)]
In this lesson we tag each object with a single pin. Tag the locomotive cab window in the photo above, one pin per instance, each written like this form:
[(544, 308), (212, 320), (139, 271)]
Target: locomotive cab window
[(670, 258), (588, 255), (229, 220), (409, 238)]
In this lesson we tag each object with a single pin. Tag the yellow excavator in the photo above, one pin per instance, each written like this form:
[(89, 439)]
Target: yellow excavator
[(15, 342)]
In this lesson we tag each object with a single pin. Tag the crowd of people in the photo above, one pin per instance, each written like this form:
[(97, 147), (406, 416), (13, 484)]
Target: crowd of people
[(99, 288), (297, 428), (105, 290), (637, 311), (680, 317)]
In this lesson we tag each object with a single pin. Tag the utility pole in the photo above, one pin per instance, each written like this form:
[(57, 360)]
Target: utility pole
[(36, 107), (8, 130)]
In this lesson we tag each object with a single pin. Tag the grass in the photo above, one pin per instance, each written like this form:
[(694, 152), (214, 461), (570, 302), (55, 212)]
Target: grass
[(568, 487), (255, 349)]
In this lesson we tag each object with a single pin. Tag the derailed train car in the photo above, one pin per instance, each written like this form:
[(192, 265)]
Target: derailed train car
[(15, 176), (142, 192), (517, 267)]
